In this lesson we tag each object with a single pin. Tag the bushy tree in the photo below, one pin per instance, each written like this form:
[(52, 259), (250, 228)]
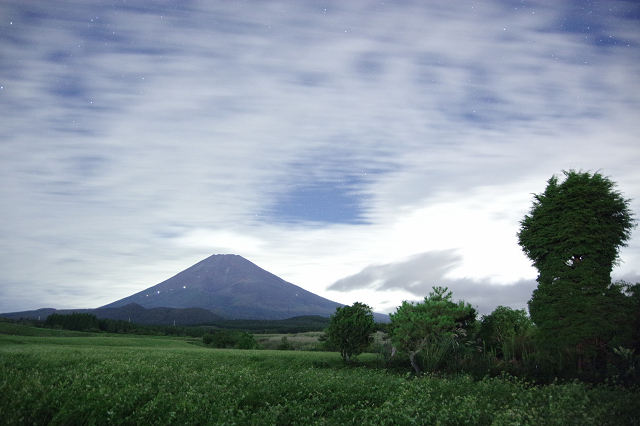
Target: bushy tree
[(415, 325), (629, 318), (284, 344), (350, 330), (246, 341), (230, 339), (207, 339), (573, 235), (505, 328)]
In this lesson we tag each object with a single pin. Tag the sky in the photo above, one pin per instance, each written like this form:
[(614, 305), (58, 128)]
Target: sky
[(364, 150)]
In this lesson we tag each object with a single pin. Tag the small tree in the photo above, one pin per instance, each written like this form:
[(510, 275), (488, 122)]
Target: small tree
[(573, 235), (246, 341), (284, 344), (503, 329), (415, 325), (230, 339), (207, 339), (350, 330)]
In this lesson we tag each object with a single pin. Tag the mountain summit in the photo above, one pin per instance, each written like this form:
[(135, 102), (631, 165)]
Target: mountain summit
[(234, 288)]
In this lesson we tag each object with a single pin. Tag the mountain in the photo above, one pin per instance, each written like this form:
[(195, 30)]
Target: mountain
[(223, 286), (234, 288)]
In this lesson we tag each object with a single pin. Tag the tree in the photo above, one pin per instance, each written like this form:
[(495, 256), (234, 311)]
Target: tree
[(285, 345), (503, 329), (207, 339), (625, 362), (629, 326), (573, 235), (415, 325), (230, 339), (350, 330), (246, 341), (74, 321)]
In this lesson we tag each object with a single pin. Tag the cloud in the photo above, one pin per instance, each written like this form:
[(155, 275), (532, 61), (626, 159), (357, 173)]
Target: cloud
[(419, 273), (630, 277), (316, 139)]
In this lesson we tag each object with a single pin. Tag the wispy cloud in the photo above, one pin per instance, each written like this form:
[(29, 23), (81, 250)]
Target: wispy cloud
[(418, 274)]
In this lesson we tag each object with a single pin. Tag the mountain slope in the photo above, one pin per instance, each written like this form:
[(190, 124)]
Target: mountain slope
[(234, 288)]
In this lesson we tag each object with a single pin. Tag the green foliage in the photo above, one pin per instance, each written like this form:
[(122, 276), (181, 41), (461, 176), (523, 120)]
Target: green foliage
[(507, 331), (230, 339), (158, 381), (284, 344), (299, 324), (10, 327), (207, 339), (89, 322), (416, 326), (75, 322), (625, 365), (629, 326), (573, 235), (291, 325), (576, 228), (224, 339), (246, 341), (291, 342), (350, 330)]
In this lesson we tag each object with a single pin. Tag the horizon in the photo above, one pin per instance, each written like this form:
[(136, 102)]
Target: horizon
[(365, 151)]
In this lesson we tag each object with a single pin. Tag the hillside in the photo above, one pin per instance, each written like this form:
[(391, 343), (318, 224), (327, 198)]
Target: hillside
[(234, 288)]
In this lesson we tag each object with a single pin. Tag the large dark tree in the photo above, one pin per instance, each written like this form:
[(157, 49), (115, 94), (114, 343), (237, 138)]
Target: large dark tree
[(573, 235)]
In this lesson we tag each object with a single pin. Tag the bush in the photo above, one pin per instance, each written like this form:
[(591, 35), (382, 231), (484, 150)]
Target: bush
[(246, 341), (207, 339), (285, 345), (230, 340)]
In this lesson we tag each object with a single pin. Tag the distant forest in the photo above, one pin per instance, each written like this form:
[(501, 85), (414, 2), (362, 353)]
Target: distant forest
[(90, 323)]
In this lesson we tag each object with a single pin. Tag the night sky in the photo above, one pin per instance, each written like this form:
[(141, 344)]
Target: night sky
[(365, 151)]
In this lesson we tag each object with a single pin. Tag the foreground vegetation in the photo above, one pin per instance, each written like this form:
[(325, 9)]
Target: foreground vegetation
[(581, 324), (112, 379)]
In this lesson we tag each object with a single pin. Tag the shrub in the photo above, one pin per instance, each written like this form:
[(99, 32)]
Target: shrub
[(285, 345), (207, 339)]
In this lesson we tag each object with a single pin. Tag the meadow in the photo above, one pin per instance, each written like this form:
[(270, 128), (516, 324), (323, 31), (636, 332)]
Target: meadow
[(55, 377)]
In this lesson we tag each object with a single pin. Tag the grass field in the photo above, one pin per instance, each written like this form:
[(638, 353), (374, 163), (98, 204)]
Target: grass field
[(297, 341), (77, 379)]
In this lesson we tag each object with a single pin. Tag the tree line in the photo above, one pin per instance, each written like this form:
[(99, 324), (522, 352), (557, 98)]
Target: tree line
[(580, 323), (81, 322), (91, 323)]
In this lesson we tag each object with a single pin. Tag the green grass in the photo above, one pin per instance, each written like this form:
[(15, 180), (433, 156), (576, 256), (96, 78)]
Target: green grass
[(14, 334), (23, 330), (304, 341), (307, 341), (99, 380)]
